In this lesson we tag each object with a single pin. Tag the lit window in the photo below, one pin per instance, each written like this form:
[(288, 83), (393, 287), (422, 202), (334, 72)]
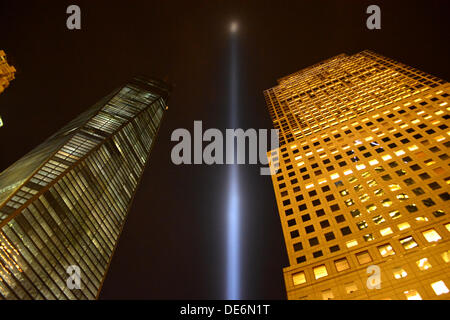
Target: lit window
[(386, 157), (431, 235), (358, 187), (421, 219), (363, 257), (395, 214), (408, 243), (423, 264), (402, 196), (412, 295), (351, 243), (347, 172), (373, 162), (447, 226), (341, 264), (298, 278), (371, 207), (364, 197), (378, 219), (349, 202), (439, 287), (399, 153), (365, 174), (412, 148), (334, 176), (403, 226), (385, 231), (350, 287), (362, 225), (386, 250), (372, 183), (446, 256), (320, 272), (399, 273), (344, 192), (360, 166), (386, 203), (368, 237), (394, 187), (378, 192)]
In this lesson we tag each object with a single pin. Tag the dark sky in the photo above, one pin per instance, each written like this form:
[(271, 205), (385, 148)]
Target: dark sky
[(172, 246)]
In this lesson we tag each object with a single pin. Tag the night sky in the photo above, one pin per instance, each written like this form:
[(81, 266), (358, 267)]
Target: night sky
[(173, 242)]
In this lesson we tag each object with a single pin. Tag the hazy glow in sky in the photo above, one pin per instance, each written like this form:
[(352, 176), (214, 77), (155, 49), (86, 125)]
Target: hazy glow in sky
[(234, 27)]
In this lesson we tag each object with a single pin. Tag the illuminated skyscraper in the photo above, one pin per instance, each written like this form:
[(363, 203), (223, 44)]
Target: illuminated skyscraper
[(364, 179), (6, 75), (64, 203), (6, 72)]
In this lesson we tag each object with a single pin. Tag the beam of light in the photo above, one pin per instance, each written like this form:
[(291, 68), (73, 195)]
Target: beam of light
[(233, 216)]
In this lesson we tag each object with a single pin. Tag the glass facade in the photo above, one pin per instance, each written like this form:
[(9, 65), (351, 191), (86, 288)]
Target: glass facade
[(64, 204), (364, 178)]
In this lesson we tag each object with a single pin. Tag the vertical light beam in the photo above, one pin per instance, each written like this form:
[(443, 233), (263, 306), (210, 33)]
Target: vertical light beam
[(233, 216)]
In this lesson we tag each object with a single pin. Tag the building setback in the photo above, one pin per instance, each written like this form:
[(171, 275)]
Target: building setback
[(364, 179), (65, 203)]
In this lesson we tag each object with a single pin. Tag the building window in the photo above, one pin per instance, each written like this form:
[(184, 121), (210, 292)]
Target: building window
[(341, 264), (298, 278), (423, 264), (346, 231), (385, 231), (327, 294), (408, 243), (399, 273), (412, 295), (313, 241), (431, 235), (363, 257), (438, 213), (403, 226), (351, 243), (329, 236), (386, 250), (298, 246), (324, 224), (439, 287), (317, 254), (294, 234), (320, 272), (362, 225), (350, 287)]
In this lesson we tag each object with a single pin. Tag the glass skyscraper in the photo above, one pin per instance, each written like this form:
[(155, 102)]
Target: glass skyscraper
[(64, 203), (363, 190)]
